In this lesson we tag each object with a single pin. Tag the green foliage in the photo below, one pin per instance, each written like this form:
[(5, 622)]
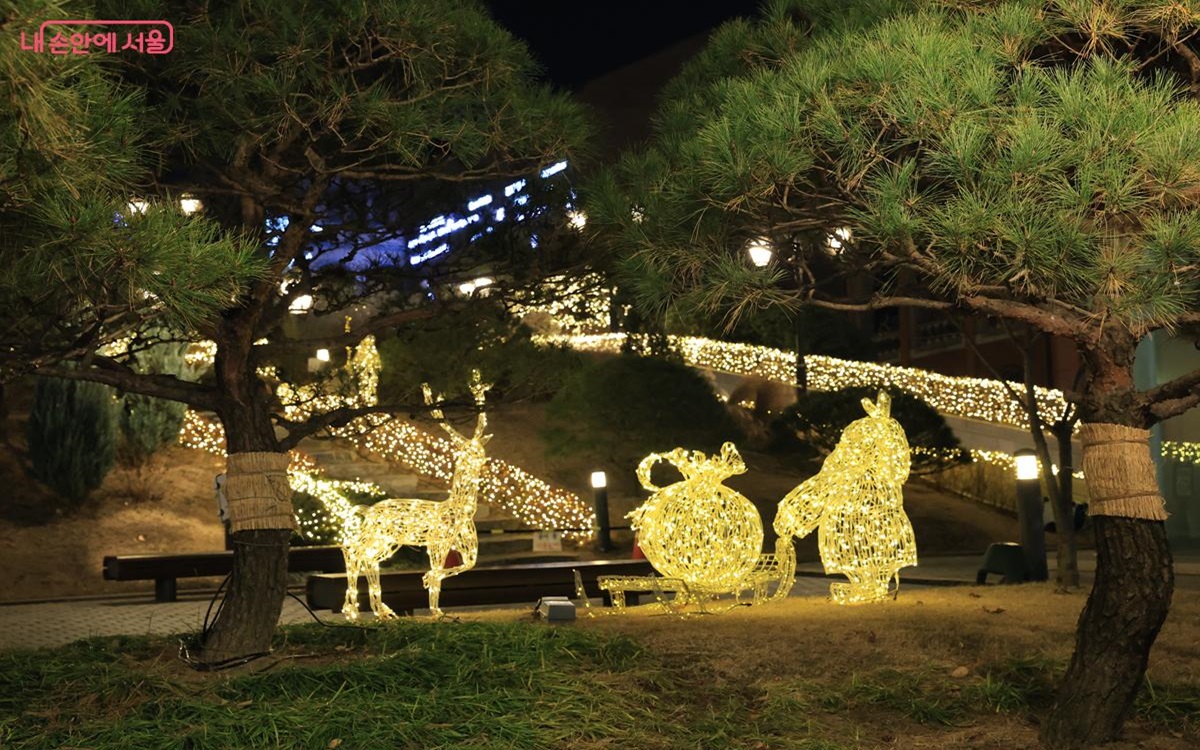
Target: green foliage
[(1000, 152), (622, 408), (72, 436), (72, 153), (817, 420), (444, 351)]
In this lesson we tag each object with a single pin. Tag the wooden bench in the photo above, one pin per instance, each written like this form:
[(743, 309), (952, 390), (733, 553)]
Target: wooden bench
[(505, 584), (165, 570)]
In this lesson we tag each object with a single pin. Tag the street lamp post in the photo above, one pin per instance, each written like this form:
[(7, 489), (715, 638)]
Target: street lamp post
[(1029, 515), (600, 503)]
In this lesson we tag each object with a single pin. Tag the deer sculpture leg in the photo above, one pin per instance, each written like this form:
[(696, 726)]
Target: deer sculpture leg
[(381, 610), (466, 544), (350, 607), (433, 579)]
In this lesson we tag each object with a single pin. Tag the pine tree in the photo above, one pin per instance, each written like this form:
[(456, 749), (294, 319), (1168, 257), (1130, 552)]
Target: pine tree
[(1037, 162), (72, 436)]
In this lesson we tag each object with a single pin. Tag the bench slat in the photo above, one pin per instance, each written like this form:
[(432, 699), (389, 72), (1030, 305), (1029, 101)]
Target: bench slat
[(506, 584)]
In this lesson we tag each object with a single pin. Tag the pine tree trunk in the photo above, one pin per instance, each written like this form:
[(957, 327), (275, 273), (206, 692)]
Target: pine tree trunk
[(1067, 574), (250, 612), (1123, 615), (1131, 595)]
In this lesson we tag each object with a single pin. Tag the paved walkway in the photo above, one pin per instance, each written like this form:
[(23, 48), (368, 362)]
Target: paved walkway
[(46, 624)]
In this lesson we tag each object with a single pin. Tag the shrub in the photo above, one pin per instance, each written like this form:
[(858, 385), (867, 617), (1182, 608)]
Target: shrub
[(622, 408), (72, 435), (443, 353), (814, 424), (148, 424)]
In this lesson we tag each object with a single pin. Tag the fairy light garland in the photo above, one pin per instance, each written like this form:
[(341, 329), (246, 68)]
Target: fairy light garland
[(972, 398), (1182, 452)]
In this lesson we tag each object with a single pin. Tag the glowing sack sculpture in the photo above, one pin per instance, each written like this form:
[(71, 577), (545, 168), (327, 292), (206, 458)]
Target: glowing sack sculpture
[(856, 502), (698, 530)]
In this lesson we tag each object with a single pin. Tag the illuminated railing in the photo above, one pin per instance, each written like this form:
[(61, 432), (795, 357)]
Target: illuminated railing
[(972, 398)]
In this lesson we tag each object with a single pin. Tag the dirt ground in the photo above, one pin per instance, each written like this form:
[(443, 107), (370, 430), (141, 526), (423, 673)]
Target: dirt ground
[(171, 507)]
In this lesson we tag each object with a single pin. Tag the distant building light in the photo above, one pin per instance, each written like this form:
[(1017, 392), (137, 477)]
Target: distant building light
[(189, 205), (479, 202), (553, 169), (468, 287), (515, 187), (323, 355), (521, 200), (576, 219), (417, 260), (638, 214), (836, 242), (500, 214), (759, 250), (301, 304), (138, 206), (533, 241)]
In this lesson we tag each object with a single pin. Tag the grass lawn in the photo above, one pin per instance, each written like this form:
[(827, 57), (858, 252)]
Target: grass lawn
[(944, 668)]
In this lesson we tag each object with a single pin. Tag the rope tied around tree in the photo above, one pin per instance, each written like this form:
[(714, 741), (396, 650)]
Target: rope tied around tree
[(1120, 474), (258, 491)]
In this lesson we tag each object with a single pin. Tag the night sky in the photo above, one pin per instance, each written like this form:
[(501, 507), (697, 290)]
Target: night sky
[(578, 41), (616, 54)]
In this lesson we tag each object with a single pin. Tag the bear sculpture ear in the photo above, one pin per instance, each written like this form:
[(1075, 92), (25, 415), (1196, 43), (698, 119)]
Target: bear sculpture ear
[(884, 404), (868, 407)]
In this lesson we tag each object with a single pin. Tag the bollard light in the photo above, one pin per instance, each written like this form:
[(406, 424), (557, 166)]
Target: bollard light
[(1027, 464), (1029, 515), (600, 502)]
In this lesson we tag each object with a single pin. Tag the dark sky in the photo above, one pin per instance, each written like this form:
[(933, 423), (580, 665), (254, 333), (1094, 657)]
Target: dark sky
[(577, 41)]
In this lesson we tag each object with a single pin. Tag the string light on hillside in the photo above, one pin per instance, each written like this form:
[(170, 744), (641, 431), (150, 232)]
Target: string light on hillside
[(856, 501), (573, 304)]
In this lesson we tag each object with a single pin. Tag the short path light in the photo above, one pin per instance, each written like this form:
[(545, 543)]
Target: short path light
[(1029, 514), (600, 499)]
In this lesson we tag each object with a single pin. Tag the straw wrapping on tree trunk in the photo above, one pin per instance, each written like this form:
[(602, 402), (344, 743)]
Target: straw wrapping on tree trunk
[(258, 491), (1120, 474)]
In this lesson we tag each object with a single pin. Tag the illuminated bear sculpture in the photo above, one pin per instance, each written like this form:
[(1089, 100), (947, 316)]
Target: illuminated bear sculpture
[(856, 503)]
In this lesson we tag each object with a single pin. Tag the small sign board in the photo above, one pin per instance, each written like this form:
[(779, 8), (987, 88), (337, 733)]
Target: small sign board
[(547, 541)]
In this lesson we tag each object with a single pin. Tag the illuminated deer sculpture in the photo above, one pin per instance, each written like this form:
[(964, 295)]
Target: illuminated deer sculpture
[(374, 533)]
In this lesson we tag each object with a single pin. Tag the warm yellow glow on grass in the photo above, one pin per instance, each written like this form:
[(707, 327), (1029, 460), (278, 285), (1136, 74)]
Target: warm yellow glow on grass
[(856, 503)]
